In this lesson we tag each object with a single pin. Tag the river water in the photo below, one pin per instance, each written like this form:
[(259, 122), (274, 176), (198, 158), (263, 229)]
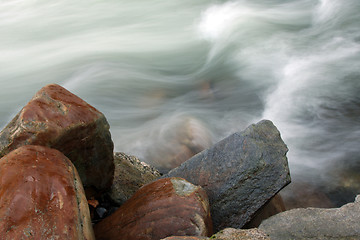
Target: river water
[(226, 64)]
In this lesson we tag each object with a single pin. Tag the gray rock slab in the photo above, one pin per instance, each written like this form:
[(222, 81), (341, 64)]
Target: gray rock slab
[(240, 173), (315, 223)]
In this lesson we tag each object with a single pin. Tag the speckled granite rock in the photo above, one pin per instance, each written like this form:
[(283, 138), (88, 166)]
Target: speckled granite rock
[(56, 118), (229, 234), (41, 196), (130, 174), (240, 173), (240, 234), (316, 223), (166, 207), (185, 238)]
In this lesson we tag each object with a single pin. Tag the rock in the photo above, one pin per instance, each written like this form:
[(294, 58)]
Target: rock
[(58, 119), (240, 234), (345, 180), (274, 206), (130, 174), (41, 196), (93, 204), (185, 238), (315, 223), (177, 142), (301, 194), (166, 207), (229, 234), (240, 173)]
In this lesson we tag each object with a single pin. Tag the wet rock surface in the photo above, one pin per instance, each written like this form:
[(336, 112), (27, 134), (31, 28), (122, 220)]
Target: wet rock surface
[(240, 173), (316, 223), (56, 118), (166, 207), (41, 196), (130, 174)]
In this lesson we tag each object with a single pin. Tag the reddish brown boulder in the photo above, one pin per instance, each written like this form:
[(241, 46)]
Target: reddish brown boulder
[(167, 207), (56, 118), (41, 196)]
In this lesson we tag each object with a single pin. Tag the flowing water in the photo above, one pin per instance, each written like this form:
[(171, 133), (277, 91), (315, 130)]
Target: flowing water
[(227, 64)]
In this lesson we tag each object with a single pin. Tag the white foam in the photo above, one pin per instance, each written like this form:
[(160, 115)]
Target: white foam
[(218, 20)]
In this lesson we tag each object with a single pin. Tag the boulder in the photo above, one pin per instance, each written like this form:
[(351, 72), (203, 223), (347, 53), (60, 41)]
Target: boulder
[(240, 234), (58, 119), (41, 196), (185, 238), (178, 141), (130, 174), (240, 173), (166, 207), (315, 223), (229, 234)]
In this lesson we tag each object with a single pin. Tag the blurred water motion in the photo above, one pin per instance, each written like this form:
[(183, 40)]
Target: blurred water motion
[(148, 64)]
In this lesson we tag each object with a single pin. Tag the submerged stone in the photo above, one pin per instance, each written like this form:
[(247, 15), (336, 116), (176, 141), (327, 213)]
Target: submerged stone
[(41, 196), (56, 118), (166, 207), (300, 194), (179, 141), (240, 173)]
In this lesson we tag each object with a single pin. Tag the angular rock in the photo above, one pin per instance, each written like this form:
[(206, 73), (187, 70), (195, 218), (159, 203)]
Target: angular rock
[(41, 196), (58, 119), (130, 174), (240, 234), (166, 207), (240, 173), (315, 223)]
